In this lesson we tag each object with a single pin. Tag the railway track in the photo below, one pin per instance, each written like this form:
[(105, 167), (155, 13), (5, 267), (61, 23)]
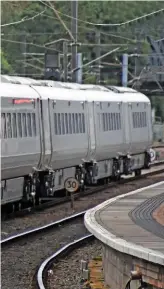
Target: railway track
[(42, 273), (89, 191), (22, 253)]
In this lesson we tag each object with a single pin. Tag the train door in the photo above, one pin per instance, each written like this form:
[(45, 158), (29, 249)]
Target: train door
[(47, 141), (45, 132), (92, 132)]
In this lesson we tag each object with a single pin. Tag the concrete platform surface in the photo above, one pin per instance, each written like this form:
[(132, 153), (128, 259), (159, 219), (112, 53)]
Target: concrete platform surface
[(131, 224)]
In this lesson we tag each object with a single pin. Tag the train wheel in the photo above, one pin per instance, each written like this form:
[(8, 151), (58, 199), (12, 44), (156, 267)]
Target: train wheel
[(37, 201), (138, 172), (18, 206)]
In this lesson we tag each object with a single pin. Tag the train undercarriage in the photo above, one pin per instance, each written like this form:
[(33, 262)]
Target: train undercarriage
[(45, 185)]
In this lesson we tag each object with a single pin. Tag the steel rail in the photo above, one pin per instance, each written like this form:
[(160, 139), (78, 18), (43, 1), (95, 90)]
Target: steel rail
[(43, 269), (38, 230)]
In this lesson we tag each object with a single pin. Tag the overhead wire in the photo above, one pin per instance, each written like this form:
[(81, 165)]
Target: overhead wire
[(86, 22), (30, 43), (114, 24), (23, 19), (58, 16), (102, 32)]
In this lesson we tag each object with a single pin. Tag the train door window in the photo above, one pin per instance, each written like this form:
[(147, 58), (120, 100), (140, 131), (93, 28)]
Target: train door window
[(20, 124), (29, 127), (34, 124), (83, 122), (55, 123), (73, 122), (70, 123), (63, 123), (66, 123), (14, 123), (59, 124), (3, 126), (24, 124), (8, 125)]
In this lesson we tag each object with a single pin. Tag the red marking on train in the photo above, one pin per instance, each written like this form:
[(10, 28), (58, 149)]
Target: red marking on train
[(20, 101)]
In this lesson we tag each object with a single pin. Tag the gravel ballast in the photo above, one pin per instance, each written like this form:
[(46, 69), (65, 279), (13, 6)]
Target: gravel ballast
[(67, 274), (19, 261)]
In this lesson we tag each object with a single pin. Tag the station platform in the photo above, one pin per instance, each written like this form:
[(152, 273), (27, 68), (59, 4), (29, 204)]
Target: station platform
[(131, 229)]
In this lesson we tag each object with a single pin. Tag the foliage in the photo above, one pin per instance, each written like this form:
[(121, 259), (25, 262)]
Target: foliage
[(5, 66), (32, 36)]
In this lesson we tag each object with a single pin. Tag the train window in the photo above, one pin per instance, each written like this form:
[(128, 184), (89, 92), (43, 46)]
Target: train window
[(62, 123), (73, 122), (83, 122), (20, 124), (80, 123), (29, 124), (70, 123), (34, 124), (141, 125), (103, 121), (145, 120), (8, 125), (76, 123), (114, 121), (59, 124), (66, 123), (139, 119), (109, 121), (133, 120), (119, 118), (3, 126), (55, 123), (14, 123), (106, 121), (24, 124)]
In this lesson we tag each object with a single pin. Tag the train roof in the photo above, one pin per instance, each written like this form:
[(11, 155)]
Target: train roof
[(17, 91), (32, 91), (18, 80)]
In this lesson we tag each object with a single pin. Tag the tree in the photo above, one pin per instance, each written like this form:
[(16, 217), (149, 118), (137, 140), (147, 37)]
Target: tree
[(5, 66)]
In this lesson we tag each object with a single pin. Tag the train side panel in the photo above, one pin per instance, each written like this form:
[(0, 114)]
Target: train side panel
[(20, 145), (109, 130)]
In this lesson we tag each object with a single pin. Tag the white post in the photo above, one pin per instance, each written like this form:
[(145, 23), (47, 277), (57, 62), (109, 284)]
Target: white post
[(125, 70)]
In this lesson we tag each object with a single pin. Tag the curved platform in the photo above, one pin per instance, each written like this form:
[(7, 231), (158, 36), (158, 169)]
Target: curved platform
[(131, 228)]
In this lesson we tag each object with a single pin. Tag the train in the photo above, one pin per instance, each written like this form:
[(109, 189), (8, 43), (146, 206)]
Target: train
[(53, 131)]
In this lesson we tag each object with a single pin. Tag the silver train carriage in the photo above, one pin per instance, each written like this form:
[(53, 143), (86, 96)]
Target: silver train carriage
[(50, 133)]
